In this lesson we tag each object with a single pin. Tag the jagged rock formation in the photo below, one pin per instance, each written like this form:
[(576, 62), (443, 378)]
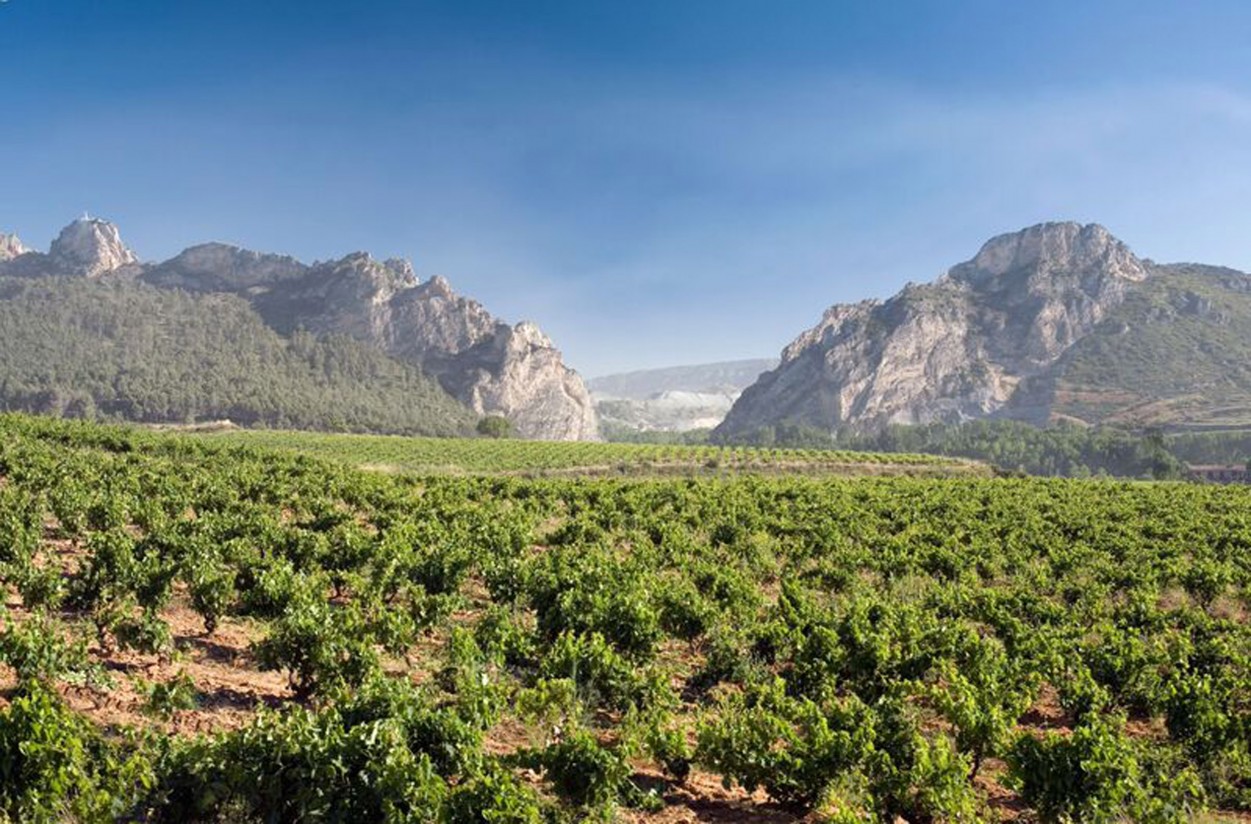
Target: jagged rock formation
[(517, 368), (11, 247), (488, 365), (993, 336), (90, 247)]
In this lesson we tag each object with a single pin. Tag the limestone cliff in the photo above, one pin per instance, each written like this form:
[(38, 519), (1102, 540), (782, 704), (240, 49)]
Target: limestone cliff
[(968, 345), (88, 247), (488, 365), (217, 267)]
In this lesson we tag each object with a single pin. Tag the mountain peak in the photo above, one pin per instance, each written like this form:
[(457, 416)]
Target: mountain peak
[(1051, 246), (11, 247), (528, 333), (487, 365), (439, 286), (401, 268), (91, 247), (219, 266)]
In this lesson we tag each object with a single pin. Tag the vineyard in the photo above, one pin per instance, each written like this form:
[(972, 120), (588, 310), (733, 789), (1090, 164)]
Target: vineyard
[(213, 629), (477, 456)]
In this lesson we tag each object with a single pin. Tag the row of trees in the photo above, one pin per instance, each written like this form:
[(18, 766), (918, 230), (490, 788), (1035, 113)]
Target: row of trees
[(1063, 450)]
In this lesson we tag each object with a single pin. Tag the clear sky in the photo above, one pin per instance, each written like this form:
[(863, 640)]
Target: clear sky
[(655, 183)]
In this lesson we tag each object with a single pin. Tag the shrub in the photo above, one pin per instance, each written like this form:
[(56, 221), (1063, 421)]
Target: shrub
[(319, 645), (55, 766), (164, 698), (1096, 775), (921, 777), (212, 591), (495, 426), (493, 797), (300, 766), (602, 676), (583, 771), (793, 747), (43, 649), (982, 701)]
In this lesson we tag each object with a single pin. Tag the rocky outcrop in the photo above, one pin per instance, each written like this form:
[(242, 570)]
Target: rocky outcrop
[(11, 247), (90, 247), (489, 366), (217, 267), (519, 373), (969, 345), (724, 377)]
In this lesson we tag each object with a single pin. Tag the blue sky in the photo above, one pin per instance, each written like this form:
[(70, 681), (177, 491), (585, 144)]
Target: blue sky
[(655, 183)]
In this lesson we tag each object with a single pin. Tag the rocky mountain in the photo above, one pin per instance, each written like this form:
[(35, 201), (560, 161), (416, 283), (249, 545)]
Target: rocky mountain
[(90, 247), (673, 399), (217, 267), (1046, 323), (491, 367)]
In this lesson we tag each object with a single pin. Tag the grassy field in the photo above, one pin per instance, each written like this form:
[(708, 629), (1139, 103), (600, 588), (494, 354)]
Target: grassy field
[(453, 456)]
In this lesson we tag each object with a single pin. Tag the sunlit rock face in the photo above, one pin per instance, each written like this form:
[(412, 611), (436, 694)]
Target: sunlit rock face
[(490, 366), (517, 368), (90, 247), (962, 347)]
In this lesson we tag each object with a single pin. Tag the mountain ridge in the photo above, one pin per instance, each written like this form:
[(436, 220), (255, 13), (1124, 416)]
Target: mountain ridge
[(491, 367)]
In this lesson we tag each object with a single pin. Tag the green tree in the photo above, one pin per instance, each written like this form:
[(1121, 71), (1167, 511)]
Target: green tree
[(495, 426)]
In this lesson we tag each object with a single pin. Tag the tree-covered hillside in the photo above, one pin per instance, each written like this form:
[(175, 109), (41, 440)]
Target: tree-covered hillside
[(1176, 352), (1059, 451), (119, 349)]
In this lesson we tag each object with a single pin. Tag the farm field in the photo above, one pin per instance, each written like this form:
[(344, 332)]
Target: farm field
[(195, 629), (479, 456)]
